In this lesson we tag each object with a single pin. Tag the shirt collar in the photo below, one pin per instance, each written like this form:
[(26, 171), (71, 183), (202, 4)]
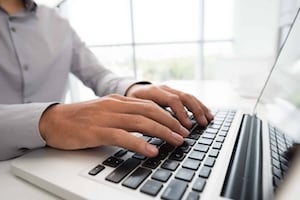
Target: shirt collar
[(30, 5)]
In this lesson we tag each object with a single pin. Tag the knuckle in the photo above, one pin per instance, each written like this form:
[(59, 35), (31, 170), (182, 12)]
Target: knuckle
[(185, 96), (174, 99), (137, 121), (164, 87), (150, 107), (115, 138)]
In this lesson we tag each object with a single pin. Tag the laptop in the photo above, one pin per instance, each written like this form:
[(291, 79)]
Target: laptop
[(237, 156)]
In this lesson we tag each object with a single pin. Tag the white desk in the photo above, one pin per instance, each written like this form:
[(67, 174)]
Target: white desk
[(212, 93)]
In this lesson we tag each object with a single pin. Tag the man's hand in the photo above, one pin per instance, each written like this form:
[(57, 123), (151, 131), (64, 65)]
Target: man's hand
[(176, 100), (108, 121)]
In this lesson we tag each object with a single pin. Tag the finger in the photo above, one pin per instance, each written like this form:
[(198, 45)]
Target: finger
[(165, 98), (199, 110), (148, 109), (139, 123), (178, 108), (121, 138)]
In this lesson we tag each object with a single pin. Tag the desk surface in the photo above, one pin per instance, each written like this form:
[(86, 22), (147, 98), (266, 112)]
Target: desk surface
[(212, 93)]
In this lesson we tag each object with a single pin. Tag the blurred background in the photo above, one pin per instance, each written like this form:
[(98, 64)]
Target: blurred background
[(163, 40)]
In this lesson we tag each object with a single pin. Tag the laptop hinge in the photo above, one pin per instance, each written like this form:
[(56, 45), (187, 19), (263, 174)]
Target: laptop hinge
[(244, 175)]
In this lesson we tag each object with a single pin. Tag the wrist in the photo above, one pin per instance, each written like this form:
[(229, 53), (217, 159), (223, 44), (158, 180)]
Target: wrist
[(45, 120), (129, 92)]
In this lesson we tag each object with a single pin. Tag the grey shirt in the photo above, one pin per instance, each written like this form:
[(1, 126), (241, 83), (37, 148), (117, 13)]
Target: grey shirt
[(38, 49)]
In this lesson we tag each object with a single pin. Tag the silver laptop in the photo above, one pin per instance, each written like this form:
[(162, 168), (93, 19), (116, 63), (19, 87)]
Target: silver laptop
[(238, 156)]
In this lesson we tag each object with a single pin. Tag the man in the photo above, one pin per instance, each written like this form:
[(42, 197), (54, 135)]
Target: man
[(38, 50)]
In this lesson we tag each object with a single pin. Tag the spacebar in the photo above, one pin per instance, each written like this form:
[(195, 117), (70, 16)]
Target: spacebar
[(123, 170)]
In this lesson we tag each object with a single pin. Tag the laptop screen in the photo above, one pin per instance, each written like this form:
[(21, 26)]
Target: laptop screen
[(280, 99)]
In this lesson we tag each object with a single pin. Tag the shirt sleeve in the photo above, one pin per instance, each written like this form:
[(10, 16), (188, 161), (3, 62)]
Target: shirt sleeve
[(19, 128), (93, 74)]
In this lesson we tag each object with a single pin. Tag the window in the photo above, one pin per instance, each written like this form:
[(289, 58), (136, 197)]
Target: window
[(155, 40)]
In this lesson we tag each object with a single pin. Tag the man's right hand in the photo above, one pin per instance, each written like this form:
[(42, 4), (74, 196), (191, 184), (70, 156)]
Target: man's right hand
[(109, 121)]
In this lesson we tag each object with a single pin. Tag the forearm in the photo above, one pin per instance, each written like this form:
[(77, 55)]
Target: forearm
[(19, 128)]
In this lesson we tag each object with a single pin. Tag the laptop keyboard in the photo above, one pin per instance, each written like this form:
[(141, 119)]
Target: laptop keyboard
[(176, 170), (279, 145)]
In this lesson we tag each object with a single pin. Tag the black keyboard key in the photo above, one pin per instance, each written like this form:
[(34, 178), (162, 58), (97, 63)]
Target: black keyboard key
[(219, 122), (178, 154), (214, 153), (284, 168), (190, 142), (209, 161), (215, 126), (194, 136), (162, 175), (164, 151), (167, 147), (197, 155), (123, 170), (201, 147), (224, 128), (185, 174), (193, 196), (139, 156), (205, 172), (121, 153), (197, 130), (96, 170), (217, 145), (136, 178), (151, 187), (156, 141), (220, 139), (146, 138), (275, 155), (211, 130), (281, 142), (283, 160), (277, 172), (199, 185), (227, 123), (170, 165), (205, 141), (174, 190), (276, 181), (185, 147), (152, 163), (209, 136), (113, 161), (276, 163), (223, 133), (191, 164), (274, 148)]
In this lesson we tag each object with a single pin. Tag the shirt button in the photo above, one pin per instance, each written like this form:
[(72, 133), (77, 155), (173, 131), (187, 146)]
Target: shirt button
[(13, 29), (26, 67)]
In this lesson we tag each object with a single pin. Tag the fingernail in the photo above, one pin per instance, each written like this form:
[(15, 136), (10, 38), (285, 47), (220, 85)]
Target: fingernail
[(177, 137), (151, 149), (184, 131), (210, 116), (204, 120)]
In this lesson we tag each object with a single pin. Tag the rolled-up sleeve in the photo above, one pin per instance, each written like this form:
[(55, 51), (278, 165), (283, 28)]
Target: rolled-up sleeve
[(19, 128)]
